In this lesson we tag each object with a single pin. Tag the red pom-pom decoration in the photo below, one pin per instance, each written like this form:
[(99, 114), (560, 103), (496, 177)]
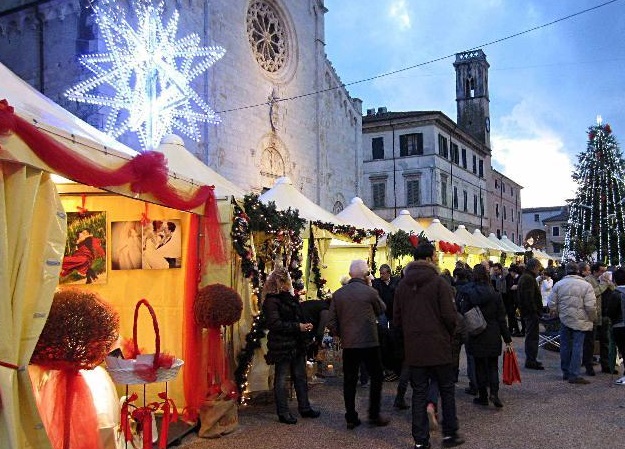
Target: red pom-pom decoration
[(217, 305), (607, 129), (79, 332)]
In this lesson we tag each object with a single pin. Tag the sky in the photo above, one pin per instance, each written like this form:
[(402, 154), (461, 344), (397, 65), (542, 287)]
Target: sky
[(546, 86)]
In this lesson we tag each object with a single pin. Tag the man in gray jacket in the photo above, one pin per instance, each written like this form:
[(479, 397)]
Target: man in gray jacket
[(573, 300), (354, 310)]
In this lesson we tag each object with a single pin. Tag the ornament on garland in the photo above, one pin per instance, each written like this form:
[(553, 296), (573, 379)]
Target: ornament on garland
[(402, 244)]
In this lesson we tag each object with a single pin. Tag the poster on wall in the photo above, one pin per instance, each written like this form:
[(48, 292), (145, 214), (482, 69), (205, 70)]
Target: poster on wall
[(126, 245), (84, 261), (162, 245)]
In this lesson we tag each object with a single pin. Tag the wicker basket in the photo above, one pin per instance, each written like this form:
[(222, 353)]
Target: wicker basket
[(126, 371)]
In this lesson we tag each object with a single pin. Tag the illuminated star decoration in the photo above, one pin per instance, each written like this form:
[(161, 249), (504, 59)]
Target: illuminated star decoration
[(145, 78)]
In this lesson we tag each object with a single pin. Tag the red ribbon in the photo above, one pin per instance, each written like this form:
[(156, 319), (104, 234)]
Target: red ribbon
[(146, 173), (82, 211), (124, 421), (170, 414), (144, 217), (144, 416)]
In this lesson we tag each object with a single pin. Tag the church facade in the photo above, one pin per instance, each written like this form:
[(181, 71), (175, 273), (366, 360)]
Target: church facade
[(282, 108)]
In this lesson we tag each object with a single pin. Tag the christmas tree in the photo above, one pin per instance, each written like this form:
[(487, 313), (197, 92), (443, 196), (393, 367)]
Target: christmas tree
[(595, 230)]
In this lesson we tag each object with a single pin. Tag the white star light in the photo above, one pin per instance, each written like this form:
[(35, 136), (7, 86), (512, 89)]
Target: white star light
[(146, 77)]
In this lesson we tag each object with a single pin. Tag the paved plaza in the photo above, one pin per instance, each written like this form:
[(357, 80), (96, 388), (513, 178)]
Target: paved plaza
[(542, 412)]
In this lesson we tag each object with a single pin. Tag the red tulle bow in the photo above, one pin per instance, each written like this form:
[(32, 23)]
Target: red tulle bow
[(7, 118)]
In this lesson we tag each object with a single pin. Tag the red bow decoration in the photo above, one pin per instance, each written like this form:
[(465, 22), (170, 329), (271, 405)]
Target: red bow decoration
[(170, 415), (143, 415), (124, 421), (82, 210), (146, 173), (414, 240), (7, 118), (144, 216)]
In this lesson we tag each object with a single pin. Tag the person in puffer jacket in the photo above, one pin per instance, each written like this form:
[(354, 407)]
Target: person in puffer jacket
[(573, 300)]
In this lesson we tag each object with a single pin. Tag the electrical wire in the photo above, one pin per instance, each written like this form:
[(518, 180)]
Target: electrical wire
[(421, 64)]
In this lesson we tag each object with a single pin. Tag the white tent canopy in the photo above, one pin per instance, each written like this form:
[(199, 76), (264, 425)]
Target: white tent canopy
[(472, 246), (181, 162), (360, 216), (505, 241), (405, 222), (488, 243), (286, 196), (83, 140), (436, 231)]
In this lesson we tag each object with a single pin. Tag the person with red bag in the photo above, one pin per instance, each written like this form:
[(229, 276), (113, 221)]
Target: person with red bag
[(485, 347)]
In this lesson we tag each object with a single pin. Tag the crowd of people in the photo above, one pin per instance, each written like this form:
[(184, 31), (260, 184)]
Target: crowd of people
[(410, 328)]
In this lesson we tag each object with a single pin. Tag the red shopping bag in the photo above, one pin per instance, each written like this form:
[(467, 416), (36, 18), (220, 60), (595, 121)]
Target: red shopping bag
[(511, 373)]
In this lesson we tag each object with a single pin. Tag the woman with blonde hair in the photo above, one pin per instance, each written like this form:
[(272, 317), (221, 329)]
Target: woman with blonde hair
[(286, 344)]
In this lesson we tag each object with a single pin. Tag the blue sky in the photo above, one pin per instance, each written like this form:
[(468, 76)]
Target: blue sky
[(546, 87)]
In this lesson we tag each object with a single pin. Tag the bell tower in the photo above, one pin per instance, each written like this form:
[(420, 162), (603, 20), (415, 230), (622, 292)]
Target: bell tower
[(472, 94)]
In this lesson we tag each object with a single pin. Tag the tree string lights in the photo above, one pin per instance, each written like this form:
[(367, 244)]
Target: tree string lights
[(145, 78), (595, 229)]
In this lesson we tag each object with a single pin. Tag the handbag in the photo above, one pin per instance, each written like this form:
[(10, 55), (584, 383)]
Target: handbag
[(511, 372), (474, 321)]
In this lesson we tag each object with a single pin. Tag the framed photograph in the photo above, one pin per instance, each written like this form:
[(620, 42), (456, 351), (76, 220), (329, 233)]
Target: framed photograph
[(162, 245), (84, 261), (126, 245)]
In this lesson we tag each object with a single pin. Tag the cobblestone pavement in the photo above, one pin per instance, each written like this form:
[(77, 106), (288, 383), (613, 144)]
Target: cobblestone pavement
[(542, 412)]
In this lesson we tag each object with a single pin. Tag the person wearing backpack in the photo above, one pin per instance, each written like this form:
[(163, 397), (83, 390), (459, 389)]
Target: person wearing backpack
[(485, 347)]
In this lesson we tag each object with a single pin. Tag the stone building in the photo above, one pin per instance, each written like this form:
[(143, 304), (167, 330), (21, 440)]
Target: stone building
[(505, 203), (282, 107), (425, 162), (545, 228)]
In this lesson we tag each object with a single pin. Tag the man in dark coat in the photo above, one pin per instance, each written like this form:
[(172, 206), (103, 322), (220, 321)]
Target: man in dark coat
[(386, 285), (354, 311), (531, 304), (424, 310)]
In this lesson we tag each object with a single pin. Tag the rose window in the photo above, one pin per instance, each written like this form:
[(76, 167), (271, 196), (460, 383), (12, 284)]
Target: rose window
[(267, 35)]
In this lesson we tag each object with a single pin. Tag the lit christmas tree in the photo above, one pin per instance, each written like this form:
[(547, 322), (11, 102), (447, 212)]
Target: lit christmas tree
[(595, 230)]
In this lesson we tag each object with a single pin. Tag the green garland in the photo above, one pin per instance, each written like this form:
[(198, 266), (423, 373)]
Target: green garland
[(284, 229), (400, 243)]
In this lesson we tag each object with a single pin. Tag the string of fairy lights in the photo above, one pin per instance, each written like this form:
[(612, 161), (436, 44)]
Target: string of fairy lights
[(595, 227)]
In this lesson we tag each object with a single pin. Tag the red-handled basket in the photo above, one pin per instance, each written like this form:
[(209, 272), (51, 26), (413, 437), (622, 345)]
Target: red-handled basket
[(145, 368)]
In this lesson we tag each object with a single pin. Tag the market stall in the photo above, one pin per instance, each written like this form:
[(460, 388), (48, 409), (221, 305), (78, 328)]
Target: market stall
[(121, 192)]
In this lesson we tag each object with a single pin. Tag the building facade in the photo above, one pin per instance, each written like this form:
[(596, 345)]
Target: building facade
[(505, 204), (545, 228), (273, 121), (424, 162)]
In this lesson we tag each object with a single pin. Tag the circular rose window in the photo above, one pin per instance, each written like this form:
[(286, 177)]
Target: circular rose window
[(268, 36)]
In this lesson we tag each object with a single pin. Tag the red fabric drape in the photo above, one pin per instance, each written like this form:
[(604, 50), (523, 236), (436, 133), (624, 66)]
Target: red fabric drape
[(67, 411), (146, 173), (195, 386)]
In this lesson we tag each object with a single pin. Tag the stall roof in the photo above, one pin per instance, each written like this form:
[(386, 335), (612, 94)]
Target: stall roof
[(475, 247), (436, 231), (360, 216), (286, 196), (487, 243), (79, 137), (507, 243), (181, 161), (405, 222)]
